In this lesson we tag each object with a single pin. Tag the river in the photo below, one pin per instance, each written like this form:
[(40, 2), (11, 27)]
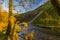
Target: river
[(38, 33)]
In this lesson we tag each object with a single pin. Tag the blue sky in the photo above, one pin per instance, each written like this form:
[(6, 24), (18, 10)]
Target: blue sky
[(22, 10)]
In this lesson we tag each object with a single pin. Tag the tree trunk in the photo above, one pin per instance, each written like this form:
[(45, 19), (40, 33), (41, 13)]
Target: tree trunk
[(9, 23), (10, 8)]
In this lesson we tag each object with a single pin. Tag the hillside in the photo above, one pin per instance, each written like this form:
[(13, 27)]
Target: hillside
[(48, 18), (31, 14)]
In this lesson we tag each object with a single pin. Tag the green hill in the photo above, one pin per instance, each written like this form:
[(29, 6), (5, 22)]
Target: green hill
[(31, 14), (49, 17)]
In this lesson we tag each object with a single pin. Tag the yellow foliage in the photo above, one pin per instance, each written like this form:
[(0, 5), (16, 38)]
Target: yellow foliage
[(58, 1), (58, 21), (17, 28), (24, 24), (12, 20), (15, 32), (1, 26), (8, 38), (29, 36), (3, 20), (15, 36)]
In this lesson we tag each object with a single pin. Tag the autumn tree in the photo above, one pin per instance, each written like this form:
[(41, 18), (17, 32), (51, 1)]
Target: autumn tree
[(11, 19)]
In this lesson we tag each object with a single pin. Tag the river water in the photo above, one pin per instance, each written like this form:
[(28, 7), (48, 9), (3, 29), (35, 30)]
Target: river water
[(38, 34)]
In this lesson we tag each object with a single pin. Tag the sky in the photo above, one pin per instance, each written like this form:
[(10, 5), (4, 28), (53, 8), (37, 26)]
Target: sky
[(22, 9)]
